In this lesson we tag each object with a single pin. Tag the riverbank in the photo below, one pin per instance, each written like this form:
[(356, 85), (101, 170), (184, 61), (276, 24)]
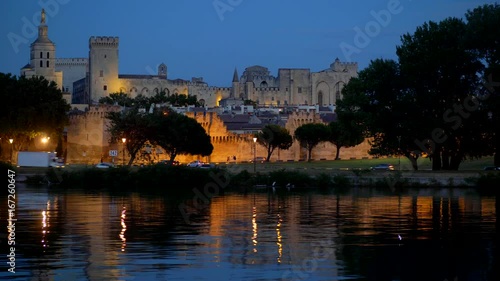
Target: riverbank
[(240, 177)]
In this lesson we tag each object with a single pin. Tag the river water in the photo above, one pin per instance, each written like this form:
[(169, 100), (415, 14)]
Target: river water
[(350, 234)]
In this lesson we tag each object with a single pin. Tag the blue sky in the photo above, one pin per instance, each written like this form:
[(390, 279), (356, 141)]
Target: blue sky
[(209, 38)]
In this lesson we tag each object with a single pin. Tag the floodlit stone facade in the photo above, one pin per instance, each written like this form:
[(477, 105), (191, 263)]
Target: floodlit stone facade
[(43, 56), (88, 141), (96, 76)]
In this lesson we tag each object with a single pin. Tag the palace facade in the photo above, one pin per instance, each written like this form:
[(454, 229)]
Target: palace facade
[(298, 94)]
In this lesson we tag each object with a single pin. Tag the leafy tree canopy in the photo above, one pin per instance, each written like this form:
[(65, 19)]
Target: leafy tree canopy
[(183, 100), (272, 137), (310, 135), (32, 106), (176, 133)]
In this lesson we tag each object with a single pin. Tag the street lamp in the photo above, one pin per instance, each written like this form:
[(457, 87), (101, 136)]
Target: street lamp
[(254, 149), (123, 160), (11, 141)]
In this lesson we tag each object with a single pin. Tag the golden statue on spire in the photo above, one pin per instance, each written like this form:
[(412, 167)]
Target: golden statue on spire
[(43, 16)]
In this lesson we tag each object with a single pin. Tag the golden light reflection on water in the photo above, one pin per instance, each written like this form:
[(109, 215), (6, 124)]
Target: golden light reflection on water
[(279, 237), (45, 225), (254, 228), (124, 228)]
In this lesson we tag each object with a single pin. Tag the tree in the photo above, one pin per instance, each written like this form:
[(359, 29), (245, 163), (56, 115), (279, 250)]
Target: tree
[(140, 101), (272, 137), (345, 133), (183, 100), (482, 38), (30, 107), (121, 99), (441, 78), (310, 135), (176, 133), (179, 134), (378, 106), (133, 126)]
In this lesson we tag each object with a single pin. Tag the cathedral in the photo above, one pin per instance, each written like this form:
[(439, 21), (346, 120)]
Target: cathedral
[(301, 95)]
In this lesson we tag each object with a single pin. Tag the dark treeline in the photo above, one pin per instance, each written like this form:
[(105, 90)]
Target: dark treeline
[(440, 99)]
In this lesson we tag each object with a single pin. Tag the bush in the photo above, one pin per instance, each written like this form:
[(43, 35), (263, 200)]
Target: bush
[(283, 177), (6, 166), (324, 180), (341, 181), (242, 179), (161, 178), (488, 182)]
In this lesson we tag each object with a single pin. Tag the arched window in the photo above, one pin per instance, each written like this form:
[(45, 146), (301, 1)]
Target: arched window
[(41, 55), (320, 98), (47, 63), (263, 84), (48, 56), (41, 63)]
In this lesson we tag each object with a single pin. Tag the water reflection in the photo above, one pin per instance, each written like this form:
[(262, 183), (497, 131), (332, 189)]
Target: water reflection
[(124, 228), (426, 234), (254, 228)]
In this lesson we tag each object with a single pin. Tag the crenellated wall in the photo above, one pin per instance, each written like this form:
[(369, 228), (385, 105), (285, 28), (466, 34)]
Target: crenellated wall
[(88, 140), (88, 136)]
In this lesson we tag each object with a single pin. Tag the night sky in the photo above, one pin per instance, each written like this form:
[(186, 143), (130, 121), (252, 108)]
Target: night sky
[(209, 38)]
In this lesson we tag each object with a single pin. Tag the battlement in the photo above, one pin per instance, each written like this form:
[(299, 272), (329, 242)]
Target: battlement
[(339, 66), (203, 86), (98, 111), (103, 41), (71, 61)]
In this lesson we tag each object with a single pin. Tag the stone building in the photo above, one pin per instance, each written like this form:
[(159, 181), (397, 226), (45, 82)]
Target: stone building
[(73, 69), (43, 56), (96, 76), (88, 140), (290, 87)]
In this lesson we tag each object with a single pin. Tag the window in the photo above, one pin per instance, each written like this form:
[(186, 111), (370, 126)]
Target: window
[(47, 63), (101, 73), (105, 87), (286, 89), (299, 90), (41, 63), (48, 56), (320, 98), (41, 55)]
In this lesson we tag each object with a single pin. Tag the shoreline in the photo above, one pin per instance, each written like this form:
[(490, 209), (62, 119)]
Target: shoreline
[(242, 177)]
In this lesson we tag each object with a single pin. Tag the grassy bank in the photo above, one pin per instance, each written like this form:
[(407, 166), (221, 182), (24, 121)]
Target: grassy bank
[(322, 174), (177, 179)]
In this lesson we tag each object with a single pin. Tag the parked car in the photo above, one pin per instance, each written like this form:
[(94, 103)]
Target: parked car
[(207, 166), (105, 165), (259, 159), (491, 168), (383, 167), (195, 164), (57, 163)]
